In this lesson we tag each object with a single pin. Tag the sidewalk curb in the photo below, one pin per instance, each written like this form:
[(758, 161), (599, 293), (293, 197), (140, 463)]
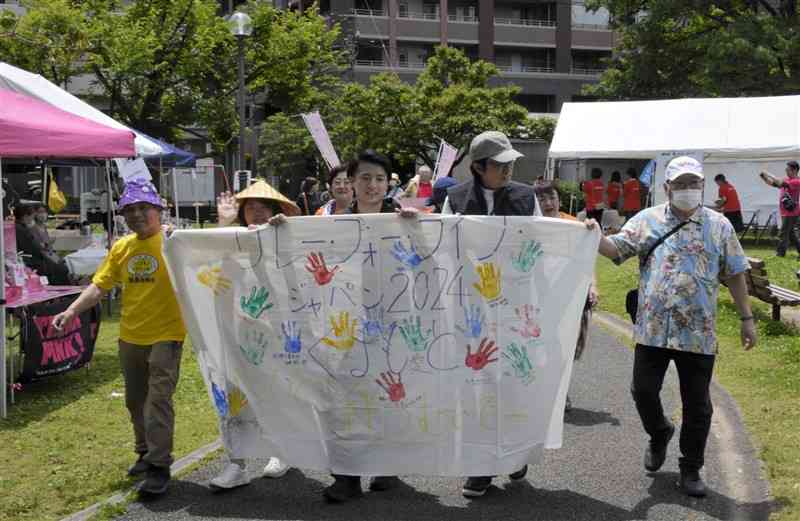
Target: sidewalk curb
[(742, 469), (177, 467)]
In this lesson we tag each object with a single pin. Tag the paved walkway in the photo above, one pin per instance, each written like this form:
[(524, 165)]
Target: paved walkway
[(598, 475)]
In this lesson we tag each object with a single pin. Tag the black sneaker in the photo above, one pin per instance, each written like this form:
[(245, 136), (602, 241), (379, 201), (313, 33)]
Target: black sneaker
[(656, 451), (381, 483), (139, 468), (476, 486), (692, 484), (156, 482), (520, 474), (344, 488)]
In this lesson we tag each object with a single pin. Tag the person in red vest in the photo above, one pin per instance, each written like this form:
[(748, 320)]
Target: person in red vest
[(631, 195), (614, 191), (728, 202), (593, 191)]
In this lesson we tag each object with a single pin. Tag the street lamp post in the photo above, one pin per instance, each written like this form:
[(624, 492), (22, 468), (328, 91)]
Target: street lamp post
[(241, 26)]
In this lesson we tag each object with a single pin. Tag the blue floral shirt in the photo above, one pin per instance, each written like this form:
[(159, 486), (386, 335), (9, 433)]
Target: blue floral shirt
[(679, 284)]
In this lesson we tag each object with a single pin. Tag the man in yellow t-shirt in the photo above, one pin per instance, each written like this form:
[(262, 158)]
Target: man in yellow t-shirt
[(151, 330)]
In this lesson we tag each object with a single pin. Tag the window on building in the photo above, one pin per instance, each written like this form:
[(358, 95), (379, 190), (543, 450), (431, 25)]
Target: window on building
[(589, 61), (402, 9), (544, 11), (538, 60), (539, 103), (430, 10)]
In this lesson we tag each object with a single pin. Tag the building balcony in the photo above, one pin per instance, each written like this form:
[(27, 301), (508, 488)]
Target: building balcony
[(524, 69), (587, 71)]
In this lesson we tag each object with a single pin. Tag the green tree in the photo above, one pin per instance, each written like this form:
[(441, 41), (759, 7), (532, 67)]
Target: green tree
[(50, 39), (451, 100), (701, 48)]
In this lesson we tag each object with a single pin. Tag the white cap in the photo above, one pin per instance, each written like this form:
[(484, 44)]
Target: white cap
[(683, 165)]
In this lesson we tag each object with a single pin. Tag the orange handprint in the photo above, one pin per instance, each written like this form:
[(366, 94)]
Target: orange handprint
[(393, 386), (214, 279), (481, 357), (344, 332)]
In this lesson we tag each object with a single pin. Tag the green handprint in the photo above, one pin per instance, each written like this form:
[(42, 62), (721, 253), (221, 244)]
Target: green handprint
[(254, 346), (517, 355), (412, 334), (256, 304), (527, 257)]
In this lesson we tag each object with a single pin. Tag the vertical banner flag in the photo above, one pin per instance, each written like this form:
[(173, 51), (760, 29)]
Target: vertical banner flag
[(445, 159), (318, 131), (379, 345)]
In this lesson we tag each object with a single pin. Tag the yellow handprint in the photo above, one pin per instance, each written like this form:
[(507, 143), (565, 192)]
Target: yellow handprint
[(236, 402), (489, 286), (214, 279), (344, 332)]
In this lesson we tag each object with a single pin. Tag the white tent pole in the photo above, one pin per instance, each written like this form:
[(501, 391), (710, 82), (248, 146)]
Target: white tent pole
[(175, 197), (3, 376)]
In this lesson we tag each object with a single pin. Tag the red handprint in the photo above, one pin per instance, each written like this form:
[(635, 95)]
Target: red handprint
[(529, 329), (316, 266), (479, 360), (393, 387)]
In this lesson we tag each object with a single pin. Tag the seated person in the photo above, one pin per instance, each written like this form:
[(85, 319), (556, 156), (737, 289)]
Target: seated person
[(36, 254)]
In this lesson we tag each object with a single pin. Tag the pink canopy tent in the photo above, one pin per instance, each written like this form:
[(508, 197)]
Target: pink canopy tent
[(31, 128)]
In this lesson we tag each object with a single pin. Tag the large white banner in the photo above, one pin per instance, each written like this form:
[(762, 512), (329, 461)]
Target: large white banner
[(383, 345)]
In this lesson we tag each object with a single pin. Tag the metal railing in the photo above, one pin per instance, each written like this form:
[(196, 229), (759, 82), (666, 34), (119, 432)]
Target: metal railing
[(417, 65), (592, 27), (433, 17), (462, 18), (368, 12), (585, 71), (525, 22), (524, 68)]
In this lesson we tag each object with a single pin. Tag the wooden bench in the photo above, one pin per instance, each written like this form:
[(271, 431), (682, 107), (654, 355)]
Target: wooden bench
[(758, 286)]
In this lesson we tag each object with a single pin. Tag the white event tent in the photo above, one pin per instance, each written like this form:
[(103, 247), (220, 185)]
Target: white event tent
[(735, 136)]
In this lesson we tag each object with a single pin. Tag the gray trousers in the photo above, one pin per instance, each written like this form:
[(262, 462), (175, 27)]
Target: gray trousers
[(151, 376)]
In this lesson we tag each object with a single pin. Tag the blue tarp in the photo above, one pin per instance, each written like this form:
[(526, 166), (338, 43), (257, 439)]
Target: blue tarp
[(174, 156)]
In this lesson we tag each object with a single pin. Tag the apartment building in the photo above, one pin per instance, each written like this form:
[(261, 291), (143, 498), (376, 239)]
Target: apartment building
[(550, 49)]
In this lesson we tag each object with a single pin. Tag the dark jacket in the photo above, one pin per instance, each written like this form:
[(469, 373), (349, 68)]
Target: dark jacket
[(513, 199), (388, 206)]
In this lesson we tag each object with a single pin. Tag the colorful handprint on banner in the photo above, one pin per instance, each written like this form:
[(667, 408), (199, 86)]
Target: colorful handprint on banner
[(317, 267), (344, 332), (526, 259), (530, 328), (411, 330), (253, 346), (393, 386), (480, 358), (214, 279), (490, 282)]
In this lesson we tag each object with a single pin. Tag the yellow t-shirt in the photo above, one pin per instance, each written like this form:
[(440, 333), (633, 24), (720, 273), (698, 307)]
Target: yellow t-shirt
[(150, 312)]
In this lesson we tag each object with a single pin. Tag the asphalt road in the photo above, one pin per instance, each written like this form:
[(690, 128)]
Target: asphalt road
[(597, 475)]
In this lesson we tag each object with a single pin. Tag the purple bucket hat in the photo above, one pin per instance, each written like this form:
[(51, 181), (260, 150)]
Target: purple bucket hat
[(139, 191)]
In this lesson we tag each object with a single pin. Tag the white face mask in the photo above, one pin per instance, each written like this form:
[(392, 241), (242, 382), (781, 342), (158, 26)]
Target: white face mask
[(687, 200)]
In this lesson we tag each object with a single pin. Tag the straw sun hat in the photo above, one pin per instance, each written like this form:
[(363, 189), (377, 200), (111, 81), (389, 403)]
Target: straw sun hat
[(263, 190)]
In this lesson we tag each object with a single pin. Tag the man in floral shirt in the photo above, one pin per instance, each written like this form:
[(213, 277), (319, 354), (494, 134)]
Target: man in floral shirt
[(676, 317)]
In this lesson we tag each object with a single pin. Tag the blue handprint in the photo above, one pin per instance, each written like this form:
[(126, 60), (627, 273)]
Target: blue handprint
[(473, 322), (220, 400), (291, 337), (409, 258), (372, 323)]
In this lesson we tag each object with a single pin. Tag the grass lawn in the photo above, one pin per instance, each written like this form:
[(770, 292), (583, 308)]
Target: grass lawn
[(68, 442), (765, 381)]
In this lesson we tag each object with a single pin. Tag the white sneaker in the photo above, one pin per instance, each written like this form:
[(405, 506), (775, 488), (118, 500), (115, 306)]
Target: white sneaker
[(232, 476), (275, 468)]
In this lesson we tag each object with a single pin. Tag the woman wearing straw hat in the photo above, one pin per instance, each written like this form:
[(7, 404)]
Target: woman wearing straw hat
[(254, 206)]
